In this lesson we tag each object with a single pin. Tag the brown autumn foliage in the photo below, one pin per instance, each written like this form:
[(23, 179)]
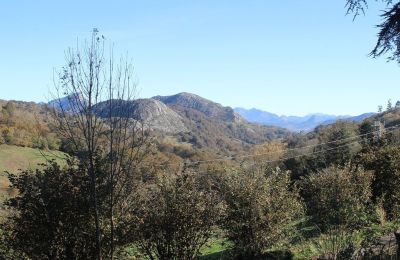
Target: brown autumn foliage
[(26, 124)]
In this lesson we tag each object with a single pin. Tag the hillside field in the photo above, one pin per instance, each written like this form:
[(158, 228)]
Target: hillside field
[(15, 158)]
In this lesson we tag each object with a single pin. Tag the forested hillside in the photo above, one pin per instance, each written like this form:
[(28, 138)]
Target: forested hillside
[(26, 124), (97, 173), (356, 164)]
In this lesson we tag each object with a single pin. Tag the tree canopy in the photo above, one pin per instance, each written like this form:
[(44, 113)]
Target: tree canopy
[(389, 29)]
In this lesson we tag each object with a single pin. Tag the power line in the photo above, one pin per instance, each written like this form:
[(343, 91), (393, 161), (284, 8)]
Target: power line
[(287, 158), (309, 154), (230, 158)]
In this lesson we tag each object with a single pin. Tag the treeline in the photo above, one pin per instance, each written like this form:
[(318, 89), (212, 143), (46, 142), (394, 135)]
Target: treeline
[(330, 194), (337, 206), (26, 124)]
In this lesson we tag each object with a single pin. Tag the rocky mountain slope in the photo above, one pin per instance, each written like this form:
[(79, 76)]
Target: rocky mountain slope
[(68, 103), (151, 112), (209, 108), (213, 125), (191, 119), (185, 118)]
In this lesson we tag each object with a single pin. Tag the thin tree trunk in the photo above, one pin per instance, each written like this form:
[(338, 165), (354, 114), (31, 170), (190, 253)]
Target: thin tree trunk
[(86, 75), (397, 235), (91, 153), (111, 178), (95, 208)]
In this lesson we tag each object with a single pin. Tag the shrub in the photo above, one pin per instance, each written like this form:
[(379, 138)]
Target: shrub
[(385, 163), (176, 217), (262, 210), (50, 217), (336, 244), (338, 197)]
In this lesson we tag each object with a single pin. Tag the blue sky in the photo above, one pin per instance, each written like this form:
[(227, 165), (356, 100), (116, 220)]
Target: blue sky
[(284, 56)]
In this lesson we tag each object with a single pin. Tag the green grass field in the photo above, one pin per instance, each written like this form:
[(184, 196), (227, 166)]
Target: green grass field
[(15, 158), (218, 247)]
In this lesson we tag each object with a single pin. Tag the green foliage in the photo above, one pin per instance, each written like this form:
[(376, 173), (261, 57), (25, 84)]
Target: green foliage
[(329, 145), (338, 197), (385, 163), (336, 244), (223, 136), (217, 247), (13, 158), (176, 217), (262, 211), (389, 106), (334, 151), (388, 36), (6, 251), (364, 243), (50, 215), (368, 236), (366, 128)]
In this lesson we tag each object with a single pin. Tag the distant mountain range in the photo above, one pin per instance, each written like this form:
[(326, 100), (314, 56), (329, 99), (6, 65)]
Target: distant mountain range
[(295, 123), (188, 117), (183, 118), (184, 111)]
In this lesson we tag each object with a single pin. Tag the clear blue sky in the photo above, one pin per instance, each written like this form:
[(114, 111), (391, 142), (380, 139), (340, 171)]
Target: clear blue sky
[(283, 56)]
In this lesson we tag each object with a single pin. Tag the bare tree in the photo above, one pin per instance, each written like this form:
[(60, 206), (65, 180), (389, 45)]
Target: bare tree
[(96, 119)]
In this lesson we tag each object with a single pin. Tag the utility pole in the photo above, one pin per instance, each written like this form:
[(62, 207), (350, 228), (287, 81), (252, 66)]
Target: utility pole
[(379, 129)]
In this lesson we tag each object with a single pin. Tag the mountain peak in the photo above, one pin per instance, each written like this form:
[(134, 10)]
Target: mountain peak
[(153, 113), (70, 102), (209, 108)]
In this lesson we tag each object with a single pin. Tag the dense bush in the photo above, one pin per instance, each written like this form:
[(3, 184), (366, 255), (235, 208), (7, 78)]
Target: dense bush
[(338, 197), (176, 217), (50, 217), (262, 211), (385, 163)]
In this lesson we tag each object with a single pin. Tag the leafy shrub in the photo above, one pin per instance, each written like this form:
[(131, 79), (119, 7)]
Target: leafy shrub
[(49, 218), (176, 217), (336, 244), (338, 197), (385, 163), (262, 211)]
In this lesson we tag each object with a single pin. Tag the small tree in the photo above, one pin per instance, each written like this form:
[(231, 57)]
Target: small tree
[(50, 217), (397, 104), (177, 216), (96, 119), (389, 106), (385, 163), (367, 130), (262, 210), (334, 151), (338, 197)]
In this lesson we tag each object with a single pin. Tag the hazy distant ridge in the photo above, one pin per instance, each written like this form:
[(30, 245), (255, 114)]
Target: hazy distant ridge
[(169, 113), (295, 123)]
